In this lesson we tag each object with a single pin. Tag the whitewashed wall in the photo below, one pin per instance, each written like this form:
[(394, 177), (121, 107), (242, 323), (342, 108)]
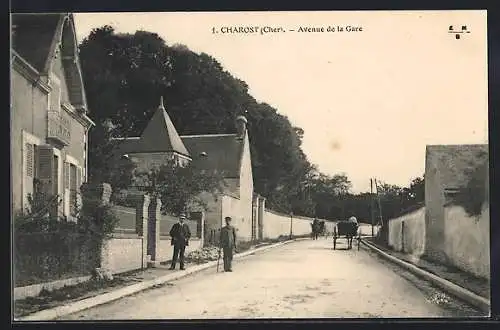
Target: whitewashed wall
[(165, 250), (120, 255), (277, 224), (413, 238), (467, 240)]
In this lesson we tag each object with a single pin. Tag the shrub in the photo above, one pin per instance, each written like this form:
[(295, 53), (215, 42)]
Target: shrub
[(41, 215), (94, 216), (473, 196), (47, 246)]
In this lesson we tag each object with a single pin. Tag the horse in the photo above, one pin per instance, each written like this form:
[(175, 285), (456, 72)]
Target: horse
[(313, 230), (317, 228), (321, 228), (347, 229)]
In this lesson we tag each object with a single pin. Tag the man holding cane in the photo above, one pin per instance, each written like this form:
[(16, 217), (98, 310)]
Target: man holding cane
[(227, 244)]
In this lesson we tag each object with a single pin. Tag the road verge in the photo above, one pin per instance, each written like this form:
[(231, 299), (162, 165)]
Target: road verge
[(471, 298), (78, 306)]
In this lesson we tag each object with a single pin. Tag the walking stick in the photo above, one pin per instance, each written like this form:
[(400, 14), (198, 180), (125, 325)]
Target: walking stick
[(218, 259), (220, 247)]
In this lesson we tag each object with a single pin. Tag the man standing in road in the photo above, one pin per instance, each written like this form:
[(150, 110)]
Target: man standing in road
[(228, 243), (180, 234)]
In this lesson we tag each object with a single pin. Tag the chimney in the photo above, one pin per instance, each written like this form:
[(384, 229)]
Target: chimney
[(241, 127)]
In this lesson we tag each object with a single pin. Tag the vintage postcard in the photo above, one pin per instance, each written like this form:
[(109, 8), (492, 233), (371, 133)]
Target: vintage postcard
[(250, 165)]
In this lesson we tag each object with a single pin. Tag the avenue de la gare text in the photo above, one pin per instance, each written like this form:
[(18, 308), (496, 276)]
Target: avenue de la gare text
[(279, 29)]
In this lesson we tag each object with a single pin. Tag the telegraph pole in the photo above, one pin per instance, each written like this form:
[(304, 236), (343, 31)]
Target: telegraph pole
[(371, 206), (291, 225), (379, 204), (382, 229)]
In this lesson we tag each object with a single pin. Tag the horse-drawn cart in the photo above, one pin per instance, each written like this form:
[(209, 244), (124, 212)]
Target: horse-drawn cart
[(348, 230)]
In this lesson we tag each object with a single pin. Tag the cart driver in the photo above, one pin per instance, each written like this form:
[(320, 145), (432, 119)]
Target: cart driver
[(353, 220)]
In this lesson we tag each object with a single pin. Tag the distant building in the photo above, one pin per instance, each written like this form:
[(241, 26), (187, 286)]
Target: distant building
[(49, 122), (226, 153)]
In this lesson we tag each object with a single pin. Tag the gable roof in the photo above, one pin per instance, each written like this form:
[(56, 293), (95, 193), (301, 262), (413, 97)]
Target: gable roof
[(455, 161), (38, 38), (220, 152), (159, 135), (32, 36), (223, 152)]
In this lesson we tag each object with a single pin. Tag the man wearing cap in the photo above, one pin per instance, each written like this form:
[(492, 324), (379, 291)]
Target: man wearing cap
[(180, 234), (228, 243)]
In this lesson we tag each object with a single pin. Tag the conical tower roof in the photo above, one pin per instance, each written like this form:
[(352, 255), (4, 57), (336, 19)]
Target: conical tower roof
[(160, 134)]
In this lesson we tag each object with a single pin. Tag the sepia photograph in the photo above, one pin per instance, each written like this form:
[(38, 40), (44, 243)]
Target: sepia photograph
[(249, 165)]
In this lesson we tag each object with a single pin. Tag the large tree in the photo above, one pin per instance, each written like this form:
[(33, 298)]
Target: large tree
[(179, 188), (125, 75)]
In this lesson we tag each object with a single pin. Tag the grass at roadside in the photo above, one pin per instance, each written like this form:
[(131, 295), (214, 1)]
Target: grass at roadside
[(49, 299), (479, 286)]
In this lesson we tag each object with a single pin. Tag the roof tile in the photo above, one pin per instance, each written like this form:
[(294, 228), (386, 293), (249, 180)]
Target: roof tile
[(32, 36)]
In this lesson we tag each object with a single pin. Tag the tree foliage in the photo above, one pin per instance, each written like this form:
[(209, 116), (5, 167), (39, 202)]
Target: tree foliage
[(179, 187), (125, 75), (476, 192)]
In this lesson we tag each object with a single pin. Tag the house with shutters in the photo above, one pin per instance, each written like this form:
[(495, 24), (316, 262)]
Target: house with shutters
[(227, 153), (49, 122)]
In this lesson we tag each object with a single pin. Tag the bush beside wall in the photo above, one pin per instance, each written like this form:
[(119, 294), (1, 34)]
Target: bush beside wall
[(48, 256)]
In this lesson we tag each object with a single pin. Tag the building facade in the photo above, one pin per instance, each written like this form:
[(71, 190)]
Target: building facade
[(228, 154), (49, 122), (453, 235)]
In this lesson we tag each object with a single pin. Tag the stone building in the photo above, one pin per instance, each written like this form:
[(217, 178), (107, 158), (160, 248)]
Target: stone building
[(227, 153)]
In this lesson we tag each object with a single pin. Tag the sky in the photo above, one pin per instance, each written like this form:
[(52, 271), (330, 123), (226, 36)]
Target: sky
[(369, 101)]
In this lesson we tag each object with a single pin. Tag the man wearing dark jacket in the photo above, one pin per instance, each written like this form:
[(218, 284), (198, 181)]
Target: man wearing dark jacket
[(180, 234), (228, 244)]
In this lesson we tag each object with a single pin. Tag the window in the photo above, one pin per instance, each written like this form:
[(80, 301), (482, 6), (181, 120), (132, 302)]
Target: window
[(28, 167)]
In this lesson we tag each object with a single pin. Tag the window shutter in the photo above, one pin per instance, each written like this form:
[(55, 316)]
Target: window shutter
[(45, 168), (30, 161), (66, 175), (78, 178), (55, 175)]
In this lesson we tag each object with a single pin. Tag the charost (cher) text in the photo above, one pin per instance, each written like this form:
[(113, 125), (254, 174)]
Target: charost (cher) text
[(267, 29)]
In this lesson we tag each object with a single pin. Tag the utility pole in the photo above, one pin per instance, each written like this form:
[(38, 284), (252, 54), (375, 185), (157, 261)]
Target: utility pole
[(291, 225), (379, 204), (383, 229), (342, 201), (371, 206)]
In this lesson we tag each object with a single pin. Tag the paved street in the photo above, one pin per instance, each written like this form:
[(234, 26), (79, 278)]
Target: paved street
[(305, 279)]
